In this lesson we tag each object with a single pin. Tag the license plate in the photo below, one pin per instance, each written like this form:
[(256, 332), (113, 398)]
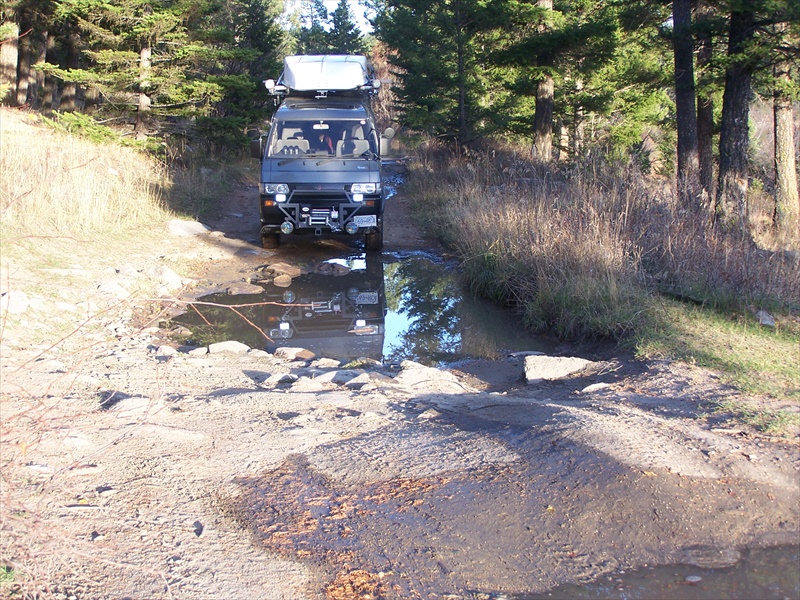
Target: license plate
[(367, 298), (366, 220)]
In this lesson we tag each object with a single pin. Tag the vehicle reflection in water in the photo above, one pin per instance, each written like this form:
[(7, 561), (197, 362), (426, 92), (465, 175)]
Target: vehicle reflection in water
[(390, 308), (337, 312)]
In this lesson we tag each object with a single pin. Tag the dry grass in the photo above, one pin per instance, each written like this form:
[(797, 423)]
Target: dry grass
[(58, 185), (589, 251)]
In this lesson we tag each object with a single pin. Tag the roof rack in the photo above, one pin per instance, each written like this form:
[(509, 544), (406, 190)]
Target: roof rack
[(324, 73)]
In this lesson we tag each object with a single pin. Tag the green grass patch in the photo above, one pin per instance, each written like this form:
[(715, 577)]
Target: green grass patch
[(753, 358)]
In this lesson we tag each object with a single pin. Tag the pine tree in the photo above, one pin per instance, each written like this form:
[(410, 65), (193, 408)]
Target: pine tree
[(344, 36), (436, 53)]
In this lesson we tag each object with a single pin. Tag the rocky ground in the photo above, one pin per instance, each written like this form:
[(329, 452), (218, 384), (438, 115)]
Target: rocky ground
[(137, 468)]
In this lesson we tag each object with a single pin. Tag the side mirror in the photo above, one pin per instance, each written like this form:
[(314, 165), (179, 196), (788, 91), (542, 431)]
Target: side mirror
[(388, 133), (257, 148)]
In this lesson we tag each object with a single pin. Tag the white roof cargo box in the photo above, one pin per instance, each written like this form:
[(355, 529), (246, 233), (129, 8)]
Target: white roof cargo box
[(330, 72)]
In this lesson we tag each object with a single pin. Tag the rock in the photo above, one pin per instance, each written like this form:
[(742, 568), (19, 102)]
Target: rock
[(201, 351), (282, 280), (283, 269), (165, 352), (595, 387), (338, 377), (258, 353), (244, 288), (538, 368), (295, 354), (134, 407), (168, 279), (113, 288), (306, 384), (765, 319), (15, 302), (279, 378), (326, 363), (229, 346), (334, 269), (186, 228), (419, 377)]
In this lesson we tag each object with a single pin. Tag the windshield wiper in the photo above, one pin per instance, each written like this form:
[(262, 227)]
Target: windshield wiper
[(291, 159)]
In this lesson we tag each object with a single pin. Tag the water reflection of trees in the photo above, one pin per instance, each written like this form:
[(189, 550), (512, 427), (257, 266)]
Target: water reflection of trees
[(428, 297)]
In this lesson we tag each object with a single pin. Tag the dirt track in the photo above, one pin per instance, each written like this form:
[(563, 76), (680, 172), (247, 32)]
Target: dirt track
[(136, 471)]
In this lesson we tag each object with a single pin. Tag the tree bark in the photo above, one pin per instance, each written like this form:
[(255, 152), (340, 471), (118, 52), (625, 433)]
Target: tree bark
[(543, 115), (705, 112), (145, 70), (9, 56), (686, 117), (69, 95), (787, 198), (48, 81), (734, 143), (24, 61)]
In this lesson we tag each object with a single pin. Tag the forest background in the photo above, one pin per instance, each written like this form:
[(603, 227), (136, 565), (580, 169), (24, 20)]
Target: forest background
[(581, 157)]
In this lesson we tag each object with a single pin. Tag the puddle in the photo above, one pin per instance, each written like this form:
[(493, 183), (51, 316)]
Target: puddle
[(389, 308), (761, 573)]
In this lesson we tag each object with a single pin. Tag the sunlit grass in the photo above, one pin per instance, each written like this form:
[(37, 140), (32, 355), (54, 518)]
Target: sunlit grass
[(56, 184), (749, 356)]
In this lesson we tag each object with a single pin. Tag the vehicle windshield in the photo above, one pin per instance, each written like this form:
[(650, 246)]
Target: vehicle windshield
[(322, 138)]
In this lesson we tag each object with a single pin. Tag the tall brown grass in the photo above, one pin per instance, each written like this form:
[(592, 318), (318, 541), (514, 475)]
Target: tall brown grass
[(583, 250), (57, 184)]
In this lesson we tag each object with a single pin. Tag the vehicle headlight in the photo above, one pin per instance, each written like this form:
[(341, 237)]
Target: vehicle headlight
[(274, 188), (365, 188)]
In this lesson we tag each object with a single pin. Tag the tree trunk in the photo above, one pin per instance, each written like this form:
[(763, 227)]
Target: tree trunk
[(543, 117), (48, 81), (24, 61), (69, 95), (145, 68), (734, 143), (686, 117), (9, 56), (705, 113), (787, 198)]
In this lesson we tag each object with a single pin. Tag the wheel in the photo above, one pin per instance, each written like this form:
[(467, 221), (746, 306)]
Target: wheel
[(374, 241), (270, 241)]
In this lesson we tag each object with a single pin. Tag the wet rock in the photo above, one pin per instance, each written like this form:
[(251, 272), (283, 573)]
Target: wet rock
[(282, 280), (229, 346), (295, 354), (244, 288), (15, 302), (419, 377), (186, 228), (540, 368), (284, 269), (333, 269)]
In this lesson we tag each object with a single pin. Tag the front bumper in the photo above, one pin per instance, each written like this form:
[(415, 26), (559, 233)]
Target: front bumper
[(322, 213)]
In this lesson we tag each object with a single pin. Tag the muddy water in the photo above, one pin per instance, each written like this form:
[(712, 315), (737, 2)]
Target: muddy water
[(389, 308), (760, 574), (400, 306)]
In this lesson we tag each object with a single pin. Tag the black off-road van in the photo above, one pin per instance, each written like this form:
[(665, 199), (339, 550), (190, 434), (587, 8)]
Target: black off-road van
[(320, 161)]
